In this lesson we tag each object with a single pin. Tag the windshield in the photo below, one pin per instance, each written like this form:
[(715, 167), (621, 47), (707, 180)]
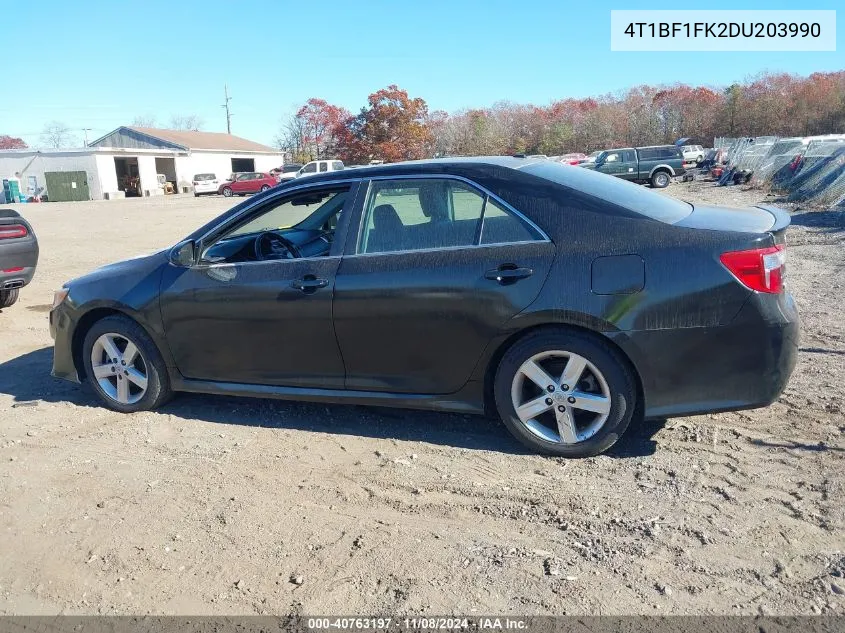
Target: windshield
[(615, 190)]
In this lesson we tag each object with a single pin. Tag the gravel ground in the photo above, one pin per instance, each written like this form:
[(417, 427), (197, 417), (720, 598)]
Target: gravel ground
[(227, 506)]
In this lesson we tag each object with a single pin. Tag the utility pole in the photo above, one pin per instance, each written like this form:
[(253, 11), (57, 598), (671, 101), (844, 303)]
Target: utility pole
[(85, 131), (226, 106)]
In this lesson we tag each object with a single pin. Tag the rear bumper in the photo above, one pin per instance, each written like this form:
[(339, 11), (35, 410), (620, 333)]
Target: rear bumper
[(16, 277), (205, 188), (743, 365), (17, 262)]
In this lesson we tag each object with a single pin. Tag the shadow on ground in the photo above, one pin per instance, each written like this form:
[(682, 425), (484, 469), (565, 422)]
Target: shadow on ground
[(832, 221), (27, 379)]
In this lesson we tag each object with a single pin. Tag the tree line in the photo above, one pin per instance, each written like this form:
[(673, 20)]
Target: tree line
[(394, 126)]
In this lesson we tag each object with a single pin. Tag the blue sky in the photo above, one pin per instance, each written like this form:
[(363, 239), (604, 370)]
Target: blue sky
[(98, 64)]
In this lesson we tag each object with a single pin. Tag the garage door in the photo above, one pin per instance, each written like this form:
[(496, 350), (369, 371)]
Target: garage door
[(67, 186)]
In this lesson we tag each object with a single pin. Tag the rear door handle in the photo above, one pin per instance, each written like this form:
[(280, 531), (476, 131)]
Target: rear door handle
[(508, 273), (309, 283)]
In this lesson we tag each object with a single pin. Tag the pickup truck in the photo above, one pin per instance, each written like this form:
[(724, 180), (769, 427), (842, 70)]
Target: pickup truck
[(18, 255), (656, 165)]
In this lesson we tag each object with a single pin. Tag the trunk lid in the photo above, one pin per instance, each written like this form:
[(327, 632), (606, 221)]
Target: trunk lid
[(756, 219)]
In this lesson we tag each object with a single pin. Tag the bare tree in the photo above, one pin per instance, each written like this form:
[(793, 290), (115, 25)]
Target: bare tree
[(290, 138), (145, 120), (186, 122), (57, 135)]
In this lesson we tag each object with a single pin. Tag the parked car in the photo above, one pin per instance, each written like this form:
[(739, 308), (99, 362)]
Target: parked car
[(205, 183), (570, 303), (319, 167), (656, 165), (591, 158), (286, 172), (693, 153), (575, 158), (18, 255), (248, 182)]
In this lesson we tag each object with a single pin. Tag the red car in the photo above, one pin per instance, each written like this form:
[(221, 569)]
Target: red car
[(247, 182), (572, 159)]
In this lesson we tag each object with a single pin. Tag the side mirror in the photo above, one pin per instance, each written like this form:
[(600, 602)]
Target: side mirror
[(183, 254)]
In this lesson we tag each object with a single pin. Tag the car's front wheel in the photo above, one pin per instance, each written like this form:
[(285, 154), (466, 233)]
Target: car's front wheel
[(227, 191), (565, 393), (8, 297), (124, 365)]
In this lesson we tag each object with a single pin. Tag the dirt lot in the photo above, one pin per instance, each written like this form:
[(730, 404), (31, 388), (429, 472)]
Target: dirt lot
[(217, 505)]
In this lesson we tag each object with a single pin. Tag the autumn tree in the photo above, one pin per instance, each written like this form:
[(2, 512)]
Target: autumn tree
[(392, 127), (311, 132), (11, 142)]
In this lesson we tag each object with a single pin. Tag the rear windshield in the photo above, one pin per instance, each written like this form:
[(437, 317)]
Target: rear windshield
[(205, 177), (615, 190)]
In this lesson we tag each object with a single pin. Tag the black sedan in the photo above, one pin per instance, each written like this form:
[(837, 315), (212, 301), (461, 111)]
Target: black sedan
[(567, 302), (18, 255)]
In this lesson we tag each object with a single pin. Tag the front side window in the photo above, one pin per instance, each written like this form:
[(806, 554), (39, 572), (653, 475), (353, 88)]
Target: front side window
[(422, 214), (611, 158), (310, 168), (307, 220)]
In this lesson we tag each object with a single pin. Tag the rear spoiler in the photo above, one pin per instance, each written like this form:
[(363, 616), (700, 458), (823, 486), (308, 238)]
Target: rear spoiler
[(782, 218)]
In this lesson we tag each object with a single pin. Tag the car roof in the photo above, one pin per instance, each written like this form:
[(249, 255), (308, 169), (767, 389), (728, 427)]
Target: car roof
[(482, 165)]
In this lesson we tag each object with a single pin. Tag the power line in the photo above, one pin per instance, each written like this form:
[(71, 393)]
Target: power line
[(225, 105)]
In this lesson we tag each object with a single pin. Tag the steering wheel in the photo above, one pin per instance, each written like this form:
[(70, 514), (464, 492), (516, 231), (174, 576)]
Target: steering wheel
[(272, 245)]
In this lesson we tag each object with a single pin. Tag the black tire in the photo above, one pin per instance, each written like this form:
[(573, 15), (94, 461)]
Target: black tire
[(227, 192), (158, 383), (699, 160), (265, 187), (660, 179), (620, 382), (8, 297)]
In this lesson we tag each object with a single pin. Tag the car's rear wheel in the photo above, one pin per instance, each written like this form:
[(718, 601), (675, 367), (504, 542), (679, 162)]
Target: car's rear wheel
[(124, 366), (227, 191), (660, 179), (265, 187), (565, 393), (8, 297)]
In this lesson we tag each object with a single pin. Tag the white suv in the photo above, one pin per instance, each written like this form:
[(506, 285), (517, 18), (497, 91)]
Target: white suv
[(205, 183), (693, 153), (319, 167)]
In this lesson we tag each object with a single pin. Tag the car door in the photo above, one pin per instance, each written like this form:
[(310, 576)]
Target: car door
[(232, 319), (611, 163), (433, 268), (627, 167)]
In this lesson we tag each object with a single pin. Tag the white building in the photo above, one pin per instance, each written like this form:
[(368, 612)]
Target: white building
[(130, 159)]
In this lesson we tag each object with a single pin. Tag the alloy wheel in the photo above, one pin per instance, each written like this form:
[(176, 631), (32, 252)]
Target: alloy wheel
[(561, 397), (119, 368)]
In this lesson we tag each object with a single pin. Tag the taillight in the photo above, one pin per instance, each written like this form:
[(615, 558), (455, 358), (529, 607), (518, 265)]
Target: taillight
[(761, 269), (12, 231)]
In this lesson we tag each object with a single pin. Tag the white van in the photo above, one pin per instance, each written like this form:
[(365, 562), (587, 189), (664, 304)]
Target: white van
[(319, 167)]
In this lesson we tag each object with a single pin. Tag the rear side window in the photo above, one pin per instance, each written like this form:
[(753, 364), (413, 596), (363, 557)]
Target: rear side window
[(423, 214), (502, 227), (614, 190)]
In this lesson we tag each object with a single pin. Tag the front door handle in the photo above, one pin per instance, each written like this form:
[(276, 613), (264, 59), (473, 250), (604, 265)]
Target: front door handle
[(309, 283), (508, 273)]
